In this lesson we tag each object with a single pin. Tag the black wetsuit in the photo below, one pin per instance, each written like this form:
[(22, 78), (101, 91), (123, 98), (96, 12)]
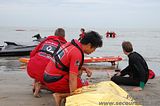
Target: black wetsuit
[(137, 71)]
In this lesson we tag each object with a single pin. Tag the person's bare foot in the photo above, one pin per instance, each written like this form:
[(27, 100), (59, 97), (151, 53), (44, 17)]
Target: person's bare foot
[(37, 87), (57, 99)]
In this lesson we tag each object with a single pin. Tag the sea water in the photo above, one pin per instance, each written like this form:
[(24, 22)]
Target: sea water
[(146, 42)]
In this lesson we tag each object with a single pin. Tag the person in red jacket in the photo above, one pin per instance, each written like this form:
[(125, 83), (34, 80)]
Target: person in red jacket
[(113, 34), (107, 34), (63, 73), (40, 56), (81, 36), (110, 34)]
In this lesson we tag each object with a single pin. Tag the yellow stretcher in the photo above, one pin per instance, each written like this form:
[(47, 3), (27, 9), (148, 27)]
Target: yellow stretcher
[(105, 93)]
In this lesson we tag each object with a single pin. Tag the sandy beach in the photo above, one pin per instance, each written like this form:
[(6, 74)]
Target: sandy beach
[(16, 90), (150, 96)]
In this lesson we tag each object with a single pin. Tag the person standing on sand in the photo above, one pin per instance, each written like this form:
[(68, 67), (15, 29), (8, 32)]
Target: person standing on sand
[(63, 73), (40, 56), (137, 69)]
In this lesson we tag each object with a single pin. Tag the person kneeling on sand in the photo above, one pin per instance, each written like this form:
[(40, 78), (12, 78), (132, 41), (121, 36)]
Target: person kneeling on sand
[(40, 56), (63, 73), (137, 69)]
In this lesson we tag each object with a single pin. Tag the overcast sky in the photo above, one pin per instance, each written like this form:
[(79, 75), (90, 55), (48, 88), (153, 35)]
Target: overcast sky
[(81, 13)]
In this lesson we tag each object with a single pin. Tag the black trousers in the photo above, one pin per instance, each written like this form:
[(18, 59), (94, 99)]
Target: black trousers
[(121, 80)]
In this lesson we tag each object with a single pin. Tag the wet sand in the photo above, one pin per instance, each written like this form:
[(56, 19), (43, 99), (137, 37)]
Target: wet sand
[(150, 96), (16, 90)]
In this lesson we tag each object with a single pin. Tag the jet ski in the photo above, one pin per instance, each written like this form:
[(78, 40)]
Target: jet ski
[(16, 49)]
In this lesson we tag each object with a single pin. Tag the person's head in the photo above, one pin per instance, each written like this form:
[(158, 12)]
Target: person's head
[(91, 41), (59, 32), (82, 30), (127, 47)]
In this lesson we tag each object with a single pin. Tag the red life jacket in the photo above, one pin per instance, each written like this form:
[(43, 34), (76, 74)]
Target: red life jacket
[(41, 55), (53, 38), (63, 67), (82, 35), (107, 34), (58, 67)]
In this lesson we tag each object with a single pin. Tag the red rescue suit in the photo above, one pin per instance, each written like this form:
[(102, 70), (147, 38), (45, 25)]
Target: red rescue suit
[(57, 79), (41, 55)]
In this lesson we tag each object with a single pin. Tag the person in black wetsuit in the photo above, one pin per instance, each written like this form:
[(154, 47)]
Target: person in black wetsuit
[(137, 69)]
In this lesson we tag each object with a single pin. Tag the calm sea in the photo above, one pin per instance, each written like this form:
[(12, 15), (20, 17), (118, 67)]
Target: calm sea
[(146, 42)]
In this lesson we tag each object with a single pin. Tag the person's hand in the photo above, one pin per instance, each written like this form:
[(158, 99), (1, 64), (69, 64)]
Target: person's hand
[(87, 70), (137, 89), (89, 73)]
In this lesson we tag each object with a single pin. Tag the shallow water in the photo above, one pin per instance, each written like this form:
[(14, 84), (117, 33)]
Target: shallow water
[(146, 42)]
